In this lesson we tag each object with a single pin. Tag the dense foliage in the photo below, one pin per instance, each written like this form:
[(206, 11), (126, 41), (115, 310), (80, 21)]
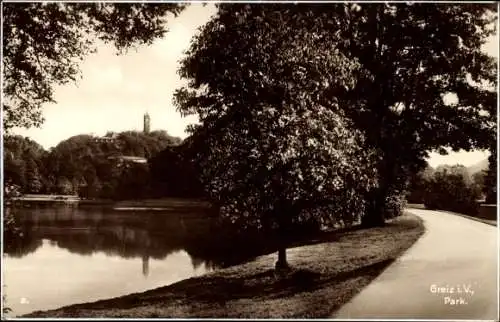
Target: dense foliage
[(417, 185), (84, 164), (174, 174), (449, 189), (475, 179), (271, 152), (412, 55), (22, 159), (43, 44), (398, 62), (277, 88)]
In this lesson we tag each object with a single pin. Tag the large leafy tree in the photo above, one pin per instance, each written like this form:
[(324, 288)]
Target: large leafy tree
[(270, 152), (412, 56), (45, 42)]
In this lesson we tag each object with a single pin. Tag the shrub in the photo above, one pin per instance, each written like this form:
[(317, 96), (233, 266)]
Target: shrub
[(394, 204)]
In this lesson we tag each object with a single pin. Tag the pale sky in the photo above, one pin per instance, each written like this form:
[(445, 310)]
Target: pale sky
[(115, 91)]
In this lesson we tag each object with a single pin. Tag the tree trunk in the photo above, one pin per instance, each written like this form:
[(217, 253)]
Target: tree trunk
[(375, 210), (282, 263), (284, 221), (375, 218)]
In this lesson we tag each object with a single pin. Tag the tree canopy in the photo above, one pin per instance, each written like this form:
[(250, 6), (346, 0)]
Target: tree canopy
[(45, 42), (273, 152), (277, 89), (399, 62), (412, 56)]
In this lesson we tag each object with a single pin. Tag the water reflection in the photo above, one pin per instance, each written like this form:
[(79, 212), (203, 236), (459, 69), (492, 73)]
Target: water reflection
[(91, 253), (145, 265), (127, 234), (53, 277)]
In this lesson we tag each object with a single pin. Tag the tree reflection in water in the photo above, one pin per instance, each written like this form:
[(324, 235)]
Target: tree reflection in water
[(136, 234), (145, 265)]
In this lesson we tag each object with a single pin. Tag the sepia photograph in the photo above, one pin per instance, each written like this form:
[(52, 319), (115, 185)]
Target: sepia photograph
[(250, 160)]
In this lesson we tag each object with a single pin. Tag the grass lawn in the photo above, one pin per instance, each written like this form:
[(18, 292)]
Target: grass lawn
[(326, 274)]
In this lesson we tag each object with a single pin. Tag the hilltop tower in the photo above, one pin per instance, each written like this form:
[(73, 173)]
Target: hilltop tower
[(147, 123)]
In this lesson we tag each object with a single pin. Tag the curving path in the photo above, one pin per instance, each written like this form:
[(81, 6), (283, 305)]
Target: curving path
[(449, 273)]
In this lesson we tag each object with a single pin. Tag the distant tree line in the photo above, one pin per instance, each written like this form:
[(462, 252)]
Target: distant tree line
[(85, 165), (453, 188)]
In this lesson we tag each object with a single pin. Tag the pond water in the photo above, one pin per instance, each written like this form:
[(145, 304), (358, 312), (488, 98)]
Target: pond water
[(70, 254)]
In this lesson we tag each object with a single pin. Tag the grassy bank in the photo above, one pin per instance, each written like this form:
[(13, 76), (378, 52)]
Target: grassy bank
[(327, 273)]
